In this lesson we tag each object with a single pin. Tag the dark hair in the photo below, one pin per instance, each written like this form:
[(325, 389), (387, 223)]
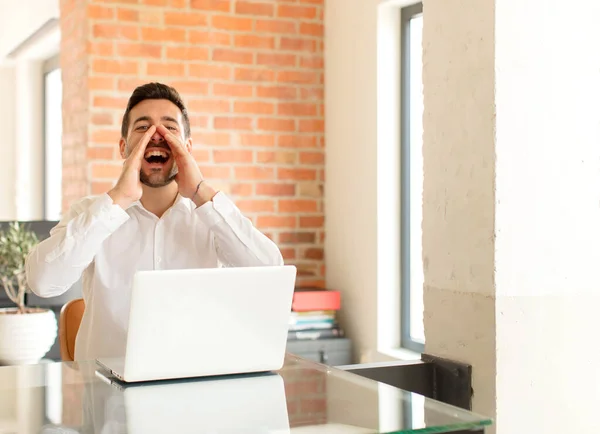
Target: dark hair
[(155, 91)]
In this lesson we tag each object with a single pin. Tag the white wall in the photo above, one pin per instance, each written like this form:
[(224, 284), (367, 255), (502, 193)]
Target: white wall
[(362, 191), (7, 144)]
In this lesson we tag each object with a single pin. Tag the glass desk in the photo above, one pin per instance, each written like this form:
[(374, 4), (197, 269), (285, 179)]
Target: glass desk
[(302, 398)]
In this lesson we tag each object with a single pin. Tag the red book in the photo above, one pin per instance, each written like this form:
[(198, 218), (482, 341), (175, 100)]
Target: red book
[(307, 299)]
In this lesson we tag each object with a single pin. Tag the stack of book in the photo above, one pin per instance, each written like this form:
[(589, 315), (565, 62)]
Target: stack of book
[(314, 314)]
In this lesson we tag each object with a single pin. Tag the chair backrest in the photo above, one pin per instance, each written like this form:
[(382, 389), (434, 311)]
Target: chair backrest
[(68, 326)]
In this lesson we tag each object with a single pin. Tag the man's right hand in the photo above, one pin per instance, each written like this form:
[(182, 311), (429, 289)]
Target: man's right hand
[(129, 187)]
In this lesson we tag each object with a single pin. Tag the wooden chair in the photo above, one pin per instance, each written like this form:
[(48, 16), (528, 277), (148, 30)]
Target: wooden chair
[(68, 326)]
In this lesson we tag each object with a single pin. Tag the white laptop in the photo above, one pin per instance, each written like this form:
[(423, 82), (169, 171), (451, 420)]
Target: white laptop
[(253, 403), (205, 322)]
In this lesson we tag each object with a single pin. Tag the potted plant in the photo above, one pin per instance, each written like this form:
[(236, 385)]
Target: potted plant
[(26, 333)]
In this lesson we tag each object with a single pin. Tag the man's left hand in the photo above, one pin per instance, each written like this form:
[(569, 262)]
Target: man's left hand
[(189, 175)]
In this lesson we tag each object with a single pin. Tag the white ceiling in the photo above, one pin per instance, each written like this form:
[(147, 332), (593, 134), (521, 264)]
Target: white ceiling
[(20, 19)]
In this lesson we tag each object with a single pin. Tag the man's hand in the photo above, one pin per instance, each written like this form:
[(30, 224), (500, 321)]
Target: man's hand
[(188, 176), (129, 187)]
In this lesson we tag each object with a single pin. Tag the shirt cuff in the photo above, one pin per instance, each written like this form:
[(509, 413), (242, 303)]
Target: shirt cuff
[(110, 214), (213, 211)]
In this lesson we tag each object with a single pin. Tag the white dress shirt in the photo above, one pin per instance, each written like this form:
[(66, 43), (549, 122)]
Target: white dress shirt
[(105, 245)]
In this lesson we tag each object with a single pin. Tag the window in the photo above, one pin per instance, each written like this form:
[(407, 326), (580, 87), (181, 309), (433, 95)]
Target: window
[(52, 140), (411, 166)]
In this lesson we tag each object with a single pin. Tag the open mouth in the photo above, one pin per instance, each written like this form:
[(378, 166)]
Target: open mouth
[(156, 156)]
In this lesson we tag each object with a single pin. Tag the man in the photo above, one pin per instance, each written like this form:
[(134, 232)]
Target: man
[(161, 214)]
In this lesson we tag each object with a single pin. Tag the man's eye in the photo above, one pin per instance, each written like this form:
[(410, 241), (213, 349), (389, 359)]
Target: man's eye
[(142, 128), (172, 128)]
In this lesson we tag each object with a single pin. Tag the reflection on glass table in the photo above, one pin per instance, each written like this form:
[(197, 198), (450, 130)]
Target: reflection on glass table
[(302, 398)]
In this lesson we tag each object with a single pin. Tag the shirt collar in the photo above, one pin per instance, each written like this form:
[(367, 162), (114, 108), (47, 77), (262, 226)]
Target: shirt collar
[(180, 203)]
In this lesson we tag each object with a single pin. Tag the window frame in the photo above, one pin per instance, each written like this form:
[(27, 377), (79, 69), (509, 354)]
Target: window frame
[(406, 15), (49, 65)]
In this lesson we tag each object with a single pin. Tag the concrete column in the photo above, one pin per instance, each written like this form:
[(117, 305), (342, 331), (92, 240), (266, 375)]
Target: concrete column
[(511, 212)]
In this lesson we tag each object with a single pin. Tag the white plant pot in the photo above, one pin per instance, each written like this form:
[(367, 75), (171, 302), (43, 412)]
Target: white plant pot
[(26, 338)]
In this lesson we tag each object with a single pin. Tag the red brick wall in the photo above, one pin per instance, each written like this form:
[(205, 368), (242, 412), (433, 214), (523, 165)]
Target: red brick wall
[(251, 73)]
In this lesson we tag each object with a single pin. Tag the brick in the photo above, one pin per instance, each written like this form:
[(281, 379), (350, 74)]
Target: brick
[(187, 19), (242, 189), (312, 158), (232, 56), (312, 93), (297, 205), (261, 108), (232, 123), (101, 118), (233, 156), (129, 84), (298, 44), (254, 8), (101, 83), (259, 140), (139, 50), (278, 157), (297, 12), (313, 253), (226, 22), (116, 32), (277, 92), (212, 138), (254, 74), (201, 155), (100, 12), (127, 14), (106, 170), (312, 125), (190, 88), (275, 59), (312, 221), (275, 189), (312, 62), (106, 136), (287, 253), (234, 90), (99, 187), (276, 26), (216, 172), (254, 41), (256, 205), (153, 34), (311, 29), (100, 152), (101, 48), (299, 77), (167, 69), (204, 70), (211, 5), (276, 221), (310, 189), (110, 102), (208, 37), (276, 124), (297, 174), (254, 173), (209, 106), (151, 16), (188, 53), (297, 141), (297, 109), (297, 237)]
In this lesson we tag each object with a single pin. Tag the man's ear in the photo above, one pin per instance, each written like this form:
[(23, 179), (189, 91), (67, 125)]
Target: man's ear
[(188, 144), (122, 148)]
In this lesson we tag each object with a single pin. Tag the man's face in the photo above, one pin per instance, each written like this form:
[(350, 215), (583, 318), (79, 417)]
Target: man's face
[(158, 167)]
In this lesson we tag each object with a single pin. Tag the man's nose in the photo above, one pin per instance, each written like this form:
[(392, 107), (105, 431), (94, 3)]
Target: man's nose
[(156, 137)]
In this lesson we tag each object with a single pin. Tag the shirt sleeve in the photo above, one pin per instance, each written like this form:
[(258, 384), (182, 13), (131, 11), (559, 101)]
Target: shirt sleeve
[(238, 242), (57, 262)]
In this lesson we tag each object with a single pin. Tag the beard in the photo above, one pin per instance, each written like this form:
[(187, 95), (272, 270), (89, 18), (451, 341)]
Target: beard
[(156, 178)]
